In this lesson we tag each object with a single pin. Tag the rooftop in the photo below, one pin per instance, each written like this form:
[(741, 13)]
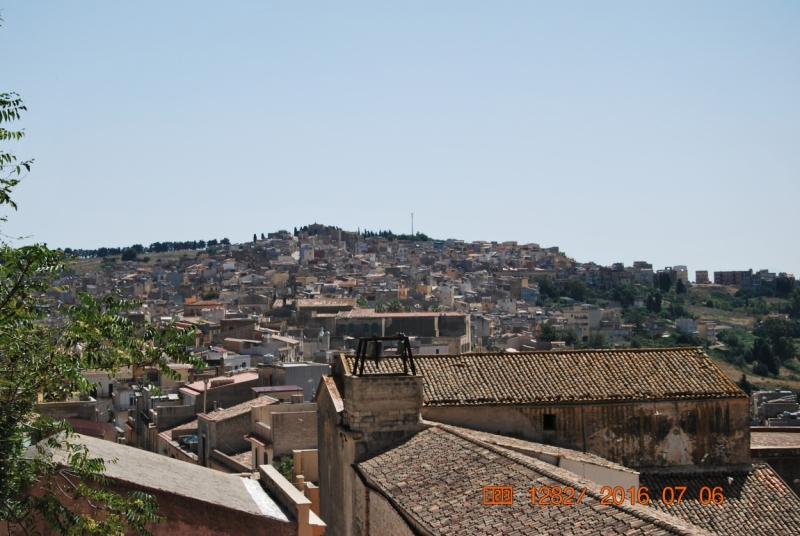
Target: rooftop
[(756, 501), (179, 478), (565, 376), (238, 409), (277, 388), (788, 439), (436, 478), (199, 385)]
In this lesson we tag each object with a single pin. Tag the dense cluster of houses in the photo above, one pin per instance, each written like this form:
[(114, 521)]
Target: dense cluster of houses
[(297, 441)]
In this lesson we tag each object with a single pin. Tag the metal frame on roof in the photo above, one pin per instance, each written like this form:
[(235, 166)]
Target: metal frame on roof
[(372, 347)]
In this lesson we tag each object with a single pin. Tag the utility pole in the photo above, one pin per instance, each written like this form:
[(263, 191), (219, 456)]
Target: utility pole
[(412, 224), (205, 392)]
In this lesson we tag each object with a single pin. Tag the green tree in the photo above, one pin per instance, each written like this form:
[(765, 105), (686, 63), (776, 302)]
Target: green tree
[(794, 303), (577, 290), (680, 288), (129, 255), (361, 301), (624, 294), (664, 281), (547, 288), (745, 385), (763, 353), (436, 307), (395, 306), (597, 340), (548, 333), (42, 358), (285, 467), (380, 307), (570, 337)]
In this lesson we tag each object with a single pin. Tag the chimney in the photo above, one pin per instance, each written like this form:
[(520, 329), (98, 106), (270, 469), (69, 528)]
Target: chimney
[(382, 408)]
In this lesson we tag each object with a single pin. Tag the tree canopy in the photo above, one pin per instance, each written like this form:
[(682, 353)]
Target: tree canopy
[(44, 347)]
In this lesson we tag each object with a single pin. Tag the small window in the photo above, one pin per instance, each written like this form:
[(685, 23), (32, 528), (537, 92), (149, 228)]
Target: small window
[(549, 421)]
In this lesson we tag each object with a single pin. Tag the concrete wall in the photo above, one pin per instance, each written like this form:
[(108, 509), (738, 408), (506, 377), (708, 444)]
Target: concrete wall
[(705, 433), (78, 409), (295, 430), (225, 435), (229, 436), (171, 416), (306, 463), (226, 396)]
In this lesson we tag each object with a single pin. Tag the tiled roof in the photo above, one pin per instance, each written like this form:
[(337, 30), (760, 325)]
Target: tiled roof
[(565, 376), (756, 502), (436, 479)]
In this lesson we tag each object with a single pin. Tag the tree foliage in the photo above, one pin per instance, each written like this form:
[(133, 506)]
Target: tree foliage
[(44, 347), (547, 288), (577, 290), (548, 333)]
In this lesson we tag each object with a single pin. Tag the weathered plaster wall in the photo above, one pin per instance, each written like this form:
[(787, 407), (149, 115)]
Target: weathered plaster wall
[(677, 433)]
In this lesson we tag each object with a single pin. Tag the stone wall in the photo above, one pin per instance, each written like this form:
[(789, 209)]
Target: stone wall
[(704, 433), (171, 416)]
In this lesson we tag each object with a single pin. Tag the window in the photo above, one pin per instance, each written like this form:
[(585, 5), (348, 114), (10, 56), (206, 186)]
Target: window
[(549, 421)]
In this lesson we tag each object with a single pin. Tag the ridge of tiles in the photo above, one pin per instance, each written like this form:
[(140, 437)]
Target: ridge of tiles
[(569, 376)]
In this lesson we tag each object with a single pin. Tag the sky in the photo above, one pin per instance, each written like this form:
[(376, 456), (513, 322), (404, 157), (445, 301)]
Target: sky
[(619, 131)]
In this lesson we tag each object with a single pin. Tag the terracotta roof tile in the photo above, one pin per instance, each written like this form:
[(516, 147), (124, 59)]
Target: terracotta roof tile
[(437, 478), (565, 376), (756, 501)]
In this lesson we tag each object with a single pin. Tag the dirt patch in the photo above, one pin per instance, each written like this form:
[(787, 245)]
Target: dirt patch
[(734, 318)]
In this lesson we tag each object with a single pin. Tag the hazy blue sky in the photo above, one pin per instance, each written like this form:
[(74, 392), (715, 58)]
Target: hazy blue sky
[(619, 131)]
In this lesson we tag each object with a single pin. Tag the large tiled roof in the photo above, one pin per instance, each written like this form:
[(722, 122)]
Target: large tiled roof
[(756, 501), (436, 479), (565, 376)]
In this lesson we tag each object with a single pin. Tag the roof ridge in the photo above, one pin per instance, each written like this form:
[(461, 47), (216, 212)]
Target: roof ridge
[(650, 515)]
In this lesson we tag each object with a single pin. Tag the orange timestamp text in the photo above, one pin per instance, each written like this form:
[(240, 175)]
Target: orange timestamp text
[(567, 495), (669, 495)]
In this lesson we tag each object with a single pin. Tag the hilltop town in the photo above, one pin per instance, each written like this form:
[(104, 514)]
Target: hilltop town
[(573, 375), (511, 296)]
